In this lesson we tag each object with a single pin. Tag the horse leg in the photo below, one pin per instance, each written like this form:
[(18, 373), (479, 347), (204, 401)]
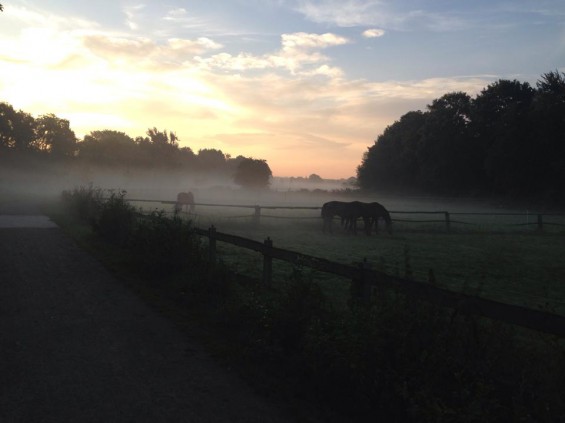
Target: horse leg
[(368, 225)]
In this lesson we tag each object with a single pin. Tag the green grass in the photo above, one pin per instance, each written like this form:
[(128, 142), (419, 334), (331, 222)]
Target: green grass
[(395, 359), (524, 268)]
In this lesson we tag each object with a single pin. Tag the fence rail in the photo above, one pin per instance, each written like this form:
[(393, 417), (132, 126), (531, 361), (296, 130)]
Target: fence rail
[(366, 281), (447, 220)]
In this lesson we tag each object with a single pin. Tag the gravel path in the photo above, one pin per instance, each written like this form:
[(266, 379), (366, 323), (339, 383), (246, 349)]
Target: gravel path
[(77, 346)]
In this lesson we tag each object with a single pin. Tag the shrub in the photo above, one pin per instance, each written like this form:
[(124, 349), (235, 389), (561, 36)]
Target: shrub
[(115, 219), (163, 246), (83, 202)]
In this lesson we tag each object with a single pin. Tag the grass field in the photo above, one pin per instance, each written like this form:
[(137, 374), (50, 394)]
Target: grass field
[(493, 255)]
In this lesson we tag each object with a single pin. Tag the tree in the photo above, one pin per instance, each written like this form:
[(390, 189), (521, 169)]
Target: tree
[(501, 132), (548, 114), (445, 145), (108, 146), (392, 161), (211, 159), (315, 178), (162, 138), (16, 128), (253, 173), (55, 136)]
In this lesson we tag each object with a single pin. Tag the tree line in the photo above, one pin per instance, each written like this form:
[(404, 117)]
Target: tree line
[(49, 136), (507, 141)]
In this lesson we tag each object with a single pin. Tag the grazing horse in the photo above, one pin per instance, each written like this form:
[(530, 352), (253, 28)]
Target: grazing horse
[(331, 209), (184, 199), (350, 212), (376, 211)]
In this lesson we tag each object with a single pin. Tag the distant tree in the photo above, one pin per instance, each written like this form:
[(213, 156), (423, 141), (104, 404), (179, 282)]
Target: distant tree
[(108, 146), (502, 135), (548, 118), (445, 143), (16, 128), (253, 173), (211, 159), (508, 140), (315, 178), (55, 136), (162, 138), (392, 161)]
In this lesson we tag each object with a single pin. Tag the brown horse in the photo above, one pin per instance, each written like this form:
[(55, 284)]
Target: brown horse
[(184, 199), (350, 212), (375, 212), (332, 209)]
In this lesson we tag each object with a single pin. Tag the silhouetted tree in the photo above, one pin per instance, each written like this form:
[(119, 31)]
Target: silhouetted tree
[(392, 161), (16, 128), (509, 140), (108, 146), (445, 143), (315, 178), (162, 138), (54, 135), (253, 173), (502, 133), (211, 159), (548, 114)]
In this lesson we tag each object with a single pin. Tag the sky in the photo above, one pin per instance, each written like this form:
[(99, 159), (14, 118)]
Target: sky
[(307, 85)]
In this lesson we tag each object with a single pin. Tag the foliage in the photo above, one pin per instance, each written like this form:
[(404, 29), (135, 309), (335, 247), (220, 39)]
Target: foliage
[(54, 135), (508, 140), (164, 246), (158, 245), (84, 202), (397, 359), (115, 219), (107, 147), (16, 128), (253, 173)]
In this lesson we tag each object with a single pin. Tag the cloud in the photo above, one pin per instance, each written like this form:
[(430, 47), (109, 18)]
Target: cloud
[(144, 51), (133, 16), (373, 33), (298, 50), (292, 98), (382, 13), (340, 12)]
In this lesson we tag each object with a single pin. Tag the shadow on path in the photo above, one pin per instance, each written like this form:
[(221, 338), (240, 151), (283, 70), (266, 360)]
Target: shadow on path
[(77, 346)]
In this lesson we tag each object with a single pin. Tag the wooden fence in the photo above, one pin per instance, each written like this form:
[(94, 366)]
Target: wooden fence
[(446, 218), (366, 282)]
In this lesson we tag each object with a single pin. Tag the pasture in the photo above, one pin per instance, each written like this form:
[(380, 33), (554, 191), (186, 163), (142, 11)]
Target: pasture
[(498, 255)]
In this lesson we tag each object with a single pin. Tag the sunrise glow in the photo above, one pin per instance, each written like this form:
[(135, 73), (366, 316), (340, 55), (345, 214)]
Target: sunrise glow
[(306, 85)]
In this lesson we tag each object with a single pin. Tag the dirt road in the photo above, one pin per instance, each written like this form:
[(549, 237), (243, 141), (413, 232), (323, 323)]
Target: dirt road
[(77, 346)]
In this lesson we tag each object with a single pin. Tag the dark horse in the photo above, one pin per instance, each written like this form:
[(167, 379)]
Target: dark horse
[(332, 209), (350, 212), (184, 199)]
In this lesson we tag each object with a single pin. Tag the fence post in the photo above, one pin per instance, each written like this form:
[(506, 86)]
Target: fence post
[(212, 244), (540, 222), (447, 222), (257, 215), (267, 262)]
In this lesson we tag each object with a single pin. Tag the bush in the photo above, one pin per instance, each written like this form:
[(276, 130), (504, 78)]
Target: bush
[(83, 202), (115, 220), (163, 246)]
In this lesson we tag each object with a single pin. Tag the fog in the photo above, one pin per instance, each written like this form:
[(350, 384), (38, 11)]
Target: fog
[(47, 181)]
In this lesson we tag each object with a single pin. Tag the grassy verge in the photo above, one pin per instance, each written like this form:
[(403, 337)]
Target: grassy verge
[(396, 359)]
